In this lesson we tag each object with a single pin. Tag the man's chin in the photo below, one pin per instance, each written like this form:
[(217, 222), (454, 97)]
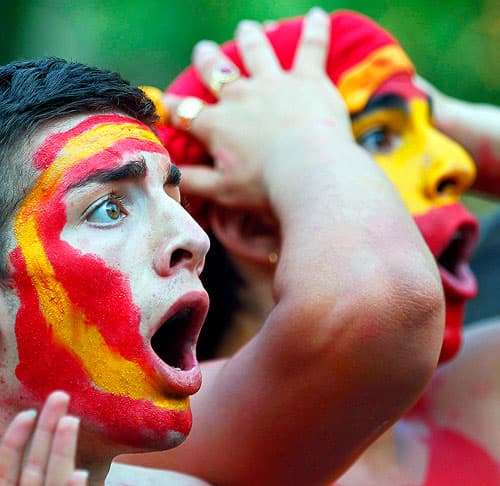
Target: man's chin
[(130, 424)]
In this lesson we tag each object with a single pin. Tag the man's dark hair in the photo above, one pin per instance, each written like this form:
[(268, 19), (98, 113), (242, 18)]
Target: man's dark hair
[(35, 92)]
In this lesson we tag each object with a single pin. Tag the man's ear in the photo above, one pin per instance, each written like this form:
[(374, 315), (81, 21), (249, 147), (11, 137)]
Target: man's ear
[(253, 236)]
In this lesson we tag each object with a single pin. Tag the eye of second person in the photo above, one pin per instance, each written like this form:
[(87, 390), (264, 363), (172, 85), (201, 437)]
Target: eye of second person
[(379, 139)]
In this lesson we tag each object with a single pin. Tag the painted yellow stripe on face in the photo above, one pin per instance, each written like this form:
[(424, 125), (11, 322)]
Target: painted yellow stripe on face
[(107, 369), (421, 158), (359, 83)]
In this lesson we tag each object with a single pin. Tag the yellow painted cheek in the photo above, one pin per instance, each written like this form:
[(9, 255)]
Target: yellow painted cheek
[(428, 169), (404, 171)]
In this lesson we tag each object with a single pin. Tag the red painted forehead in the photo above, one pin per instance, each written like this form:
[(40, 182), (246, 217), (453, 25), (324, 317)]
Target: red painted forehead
[(54, 144), (401, 85)]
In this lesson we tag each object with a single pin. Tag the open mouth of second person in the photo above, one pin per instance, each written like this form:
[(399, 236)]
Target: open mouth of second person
[(453, 262)]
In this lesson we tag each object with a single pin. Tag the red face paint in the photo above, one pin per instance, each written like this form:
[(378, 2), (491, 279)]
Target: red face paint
[(77, 327)]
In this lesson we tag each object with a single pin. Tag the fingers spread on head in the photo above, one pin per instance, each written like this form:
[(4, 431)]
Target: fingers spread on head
[(312, 50), (215, 69), (256, 51)]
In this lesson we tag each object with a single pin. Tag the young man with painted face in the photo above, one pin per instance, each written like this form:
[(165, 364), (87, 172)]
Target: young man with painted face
[(101, 296), (450, 437)]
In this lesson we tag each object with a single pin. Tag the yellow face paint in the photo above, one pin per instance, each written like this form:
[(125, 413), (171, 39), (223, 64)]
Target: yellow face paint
[(358, 83), (428, 169)]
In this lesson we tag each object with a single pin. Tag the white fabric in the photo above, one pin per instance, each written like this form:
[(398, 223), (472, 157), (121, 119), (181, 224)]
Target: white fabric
[(126, 475)]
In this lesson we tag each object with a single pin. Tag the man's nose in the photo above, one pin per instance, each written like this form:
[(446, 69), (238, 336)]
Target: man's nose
[(183, 248), (448, 169)]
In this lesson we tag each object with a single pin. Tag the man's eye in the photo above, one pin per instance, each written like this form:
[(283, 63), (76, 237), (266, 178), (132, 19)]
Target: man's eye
[(109, 211), (379, 140)]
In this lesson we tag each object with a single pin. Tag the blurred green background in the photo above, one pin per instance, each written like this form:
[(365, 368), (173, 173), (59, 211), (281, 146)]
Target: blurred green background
[(453, 43)]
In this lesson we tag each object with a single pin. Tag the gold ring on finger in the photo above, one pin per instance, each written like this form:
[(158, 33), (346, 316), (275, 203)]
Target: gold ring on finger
[(187, 110), (222, 75)]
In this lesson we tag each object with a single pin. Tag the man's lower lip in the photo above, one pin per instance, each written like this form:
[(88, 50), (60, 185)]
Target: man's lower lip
[(463, 286), (181, 382)]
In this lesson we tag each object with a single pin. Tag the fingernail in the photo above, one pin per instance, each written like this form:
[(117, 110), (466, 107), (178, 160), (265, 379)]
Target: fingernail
[(29, 414), (73, 420), (204, 46), (81, 474), (316, 13), (246, 26)]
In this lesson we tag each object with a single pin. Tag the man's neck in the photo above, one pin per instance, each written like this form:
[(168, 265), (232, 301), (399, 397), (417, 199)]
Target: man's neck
[(95, 455)]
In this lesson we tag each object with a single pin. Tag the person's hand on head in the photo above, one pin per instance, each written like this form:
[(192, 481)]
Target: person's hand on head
[(254, 113), (36, 453)]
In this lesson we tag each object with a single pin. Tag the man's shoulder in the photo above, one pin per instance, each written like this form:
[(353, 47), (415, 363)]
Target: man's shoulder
[(127, 475)]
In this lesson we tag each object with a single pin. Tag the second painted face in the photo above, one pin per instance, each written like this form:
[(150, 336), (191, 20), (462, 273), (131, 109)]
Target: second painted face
[(430, 172), (106, 274)]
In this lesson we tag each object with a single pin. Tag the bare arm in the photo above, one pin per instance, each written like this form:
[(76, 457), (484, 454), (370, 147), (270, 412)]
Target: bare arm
[(357, 327), (476, 127)]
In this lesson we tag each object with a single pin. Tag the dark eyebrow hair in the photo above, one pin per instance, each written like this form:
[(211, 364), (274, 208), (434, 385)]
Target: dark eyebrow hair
[(173, 176), (385, 101), (134, 169)]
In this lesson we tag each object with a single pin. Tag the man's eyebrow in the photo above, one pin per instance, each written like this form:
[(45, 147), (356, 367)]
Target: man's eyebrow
[(135, 169), (383, 102)]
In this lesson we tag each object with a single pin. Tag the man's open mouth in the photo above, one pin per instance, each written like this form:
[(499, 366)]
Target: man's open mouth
[(451, 233), (174, 344)]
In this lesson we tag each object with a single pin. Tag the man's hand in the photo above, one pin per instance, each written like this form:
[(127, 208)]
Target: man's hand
[(255, 114), (50, 459)]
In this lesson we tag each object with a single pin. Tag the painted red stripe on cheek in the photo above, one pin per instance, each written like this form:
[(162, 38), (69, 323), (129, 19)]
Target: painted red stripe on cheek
[(102, 293), (45, 366)]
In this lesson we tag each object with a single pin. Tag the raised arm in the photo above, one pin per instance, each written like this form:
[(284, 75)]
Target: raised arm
[(357, 327), (476, 126)]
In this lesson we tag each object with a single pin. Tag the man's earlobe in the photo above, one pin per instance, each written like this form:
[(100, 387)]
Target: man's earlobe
[(246, 234)]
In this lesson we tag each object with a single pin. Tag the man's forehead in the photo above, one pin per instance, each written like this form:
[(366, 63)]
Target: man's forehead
[(81, 136)]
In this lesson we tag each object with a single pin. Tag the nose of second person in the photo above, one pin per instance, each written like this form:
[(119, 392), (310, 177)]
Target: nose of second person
[(449, 170)]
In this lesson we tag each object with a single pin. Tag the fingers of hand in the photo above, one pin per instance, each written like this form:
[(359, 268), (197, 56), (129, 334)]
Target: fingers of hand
[(63, 451), (313, 46), (54, 409), (232, 189), (255, 48), (201, 181), (13, 445), (214, 67)]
